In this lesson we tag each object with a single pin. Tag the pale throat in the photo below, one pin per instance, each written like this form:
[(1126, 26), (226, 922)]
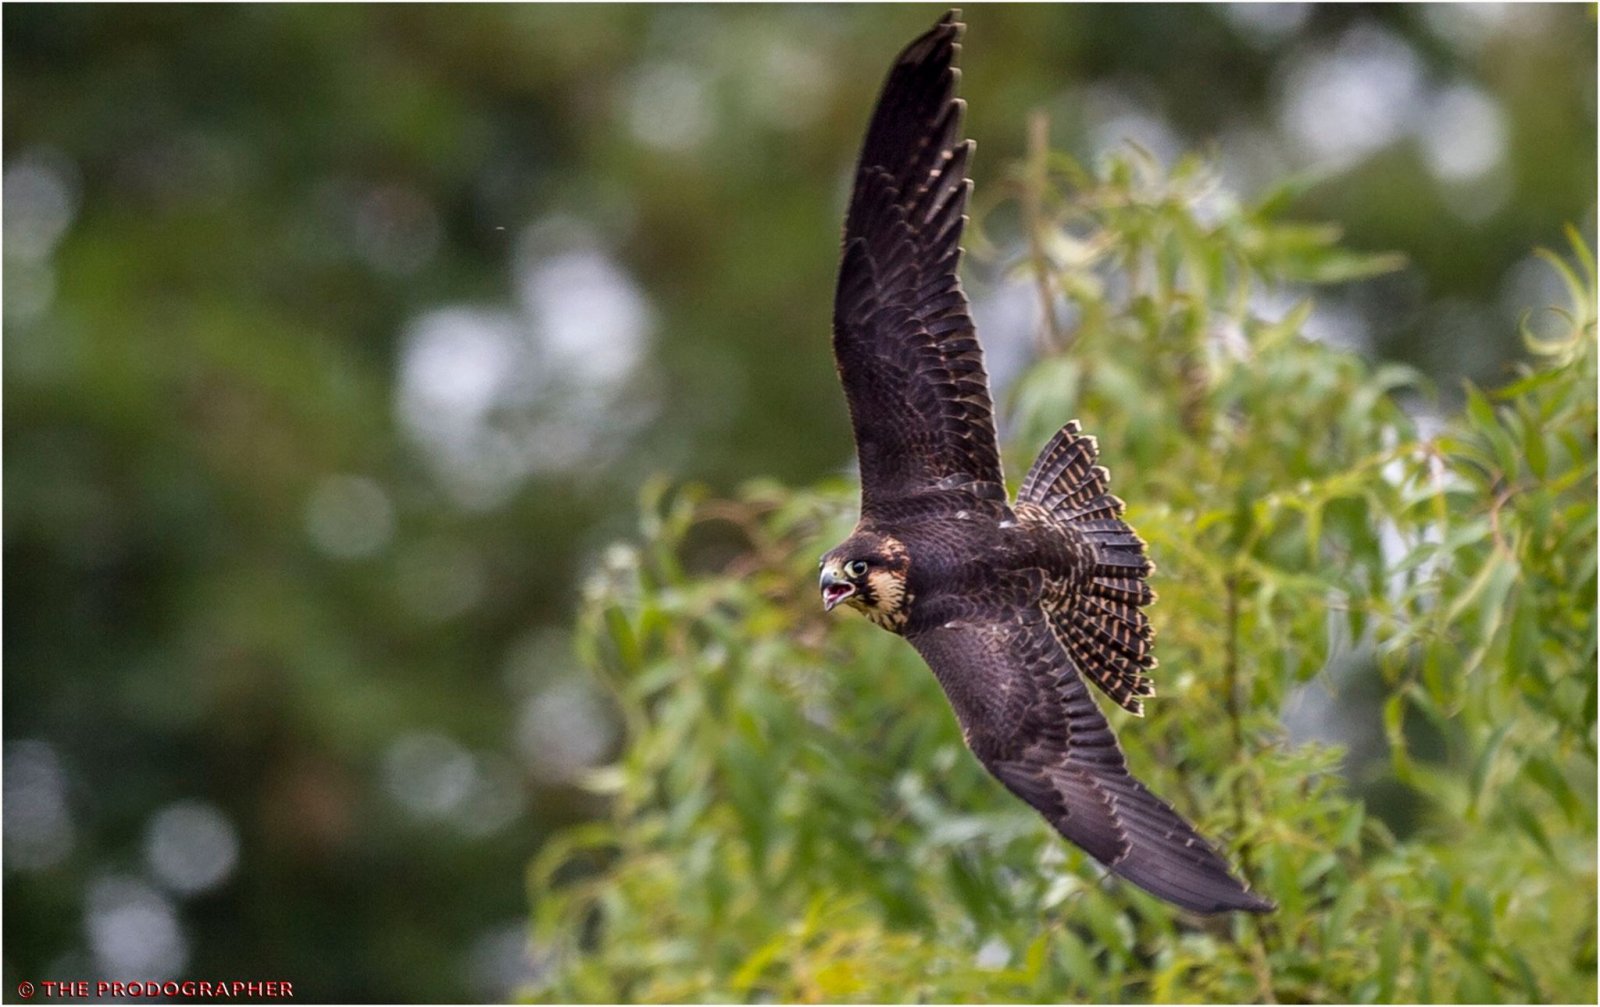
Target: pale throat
[(892, 600)]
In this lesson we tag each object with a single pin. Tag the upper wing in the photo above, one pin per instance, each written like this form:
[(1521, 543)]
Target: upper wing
[(1028, 716), (902, 338)]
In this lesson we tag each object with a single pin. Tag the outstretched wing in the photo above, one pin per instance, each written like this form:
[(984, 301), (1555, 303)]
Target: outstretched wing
[(1029, 718), (902, 338)]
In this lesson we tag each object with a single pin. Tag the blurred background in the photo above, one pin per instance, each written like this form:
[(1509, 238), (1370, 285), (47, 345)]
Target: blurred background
[(338, 341)]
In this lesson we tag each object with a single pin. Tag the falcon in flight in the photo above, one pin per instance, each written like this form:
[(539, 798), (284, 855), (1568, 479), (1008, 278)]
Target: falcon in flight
[(1013, 605)]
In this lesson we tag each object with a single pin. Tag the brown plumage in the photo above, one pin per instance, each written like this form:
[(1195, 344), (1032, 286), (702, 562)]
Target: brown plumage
[(1012, 606)]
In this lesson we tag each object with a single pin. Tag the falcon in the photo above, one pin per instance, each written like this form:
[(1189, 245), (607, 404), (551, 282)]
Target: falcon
[(1015, 606)]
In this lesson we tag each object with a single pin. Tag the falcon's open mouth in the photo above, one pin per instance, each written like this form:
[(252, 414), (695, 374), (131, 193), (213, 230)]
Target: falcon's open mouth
[(833, 594), (834, 590)]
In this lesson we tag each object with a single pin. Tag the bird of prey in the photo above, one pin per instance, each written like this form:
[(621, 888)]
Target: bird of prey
[(1013, 605)]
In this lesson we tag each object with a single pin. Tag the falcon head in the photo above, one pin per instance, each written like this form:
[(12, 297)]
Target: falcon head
[(867, 571)]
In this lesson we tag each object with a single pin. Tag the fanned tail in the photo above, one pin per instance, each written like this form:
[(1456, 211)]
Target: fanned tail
[(1099, 619)]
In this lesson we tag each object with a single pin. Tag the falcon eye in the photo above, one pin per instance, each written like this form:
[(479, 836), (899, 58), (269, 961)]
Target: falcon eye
[(856, 568)]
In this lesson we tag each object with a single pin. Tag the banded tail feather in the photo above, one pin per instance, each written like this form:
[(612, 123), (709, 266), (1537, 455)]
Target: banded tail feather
[(1099, 620)]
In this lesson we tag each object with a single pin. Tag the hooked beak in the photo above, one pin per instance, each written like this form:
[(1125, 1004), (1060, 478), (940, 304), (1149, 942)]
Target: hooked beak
[(834, 589)]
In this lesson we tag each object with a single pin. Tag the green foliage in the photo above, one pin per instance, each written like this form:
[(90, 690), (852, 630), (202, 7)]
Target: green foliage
[(794, 817)]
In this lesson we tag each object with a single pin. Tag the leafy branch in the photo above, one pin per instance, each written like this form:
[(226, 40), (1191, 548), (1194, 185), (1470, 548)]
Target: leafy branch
[(795, 818)]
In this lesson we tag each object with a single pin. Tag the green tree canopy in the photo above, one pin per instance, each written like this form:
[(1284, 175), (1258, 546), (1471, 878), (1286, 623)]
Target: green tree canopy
[(794, 817)]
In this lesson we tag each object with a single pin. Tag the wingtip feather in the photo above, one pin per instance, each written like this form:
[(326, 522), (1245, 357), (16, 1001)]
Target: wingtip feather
[(945, 35)]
